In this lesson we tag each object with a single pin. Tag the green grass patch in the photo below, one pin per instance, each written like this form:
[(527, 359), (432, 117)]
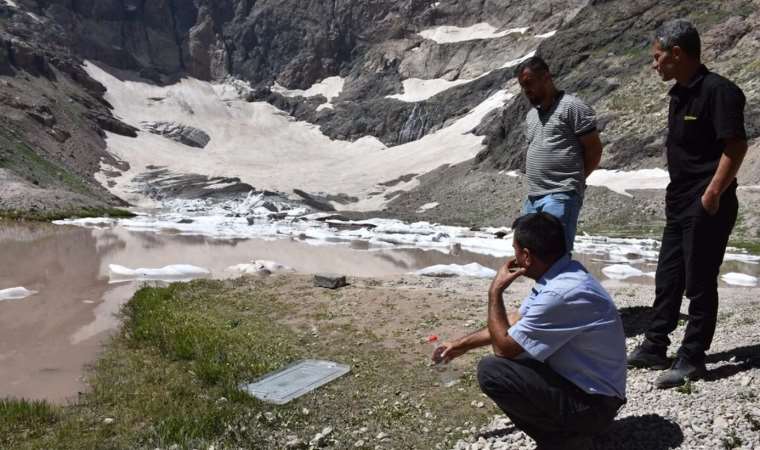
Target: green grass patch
[(172, 374), (748, 245), (26, 419), (49, 216), (653, 231), (19, 158)]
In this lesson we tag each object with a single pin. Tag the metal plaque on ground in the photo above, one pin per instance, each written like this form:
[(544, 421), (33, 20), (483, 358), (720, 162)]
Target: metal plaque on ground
[(295, 380)]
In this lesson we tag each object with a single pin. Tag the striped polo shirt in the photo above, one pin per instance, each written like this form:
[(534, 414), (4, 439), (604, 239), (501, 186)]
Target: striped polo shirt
[(555, 154)]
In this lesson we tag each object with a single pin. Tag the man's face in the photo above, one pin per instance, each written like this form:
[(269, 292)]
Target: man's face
[(535, 86), (664, 61)]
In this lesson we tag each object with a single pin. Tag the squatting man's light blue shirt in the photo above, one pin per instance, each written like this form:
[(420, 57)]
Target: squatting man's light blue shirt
[(570, 322)]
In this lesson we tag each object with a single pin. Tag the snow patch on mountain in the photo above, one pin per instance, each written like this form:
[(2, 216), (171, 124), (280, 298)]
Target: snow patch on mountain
[(417, 90), (621, 181), (330, 88), (267, 148), (447, 34)]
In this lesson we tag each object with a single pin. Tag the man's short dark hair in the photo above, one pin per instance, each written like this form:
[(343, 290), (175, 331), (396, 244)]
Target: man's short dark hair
[(536, 64), (682, 33), (541, 233)]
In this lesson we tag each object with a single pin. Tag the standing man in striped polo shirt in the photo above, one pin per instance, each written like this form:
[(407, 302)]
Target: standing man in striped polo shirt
[(563, 147)]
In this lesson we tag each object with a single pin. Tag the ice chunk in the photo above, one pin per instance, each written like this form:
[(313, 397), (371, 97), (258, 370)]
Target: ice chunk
[(175, 272), (16, 293), (739, 279), (623, 271), (456, 270), (259, 266)]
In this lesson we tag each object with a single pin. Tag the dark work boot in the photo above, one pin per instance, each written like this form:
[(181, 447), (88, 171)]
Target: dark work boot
[(644, 358), (681, 371)]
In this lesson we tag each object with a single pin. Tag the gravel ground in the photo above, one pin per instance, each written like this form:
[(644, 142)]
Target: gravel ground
[(719, 412)]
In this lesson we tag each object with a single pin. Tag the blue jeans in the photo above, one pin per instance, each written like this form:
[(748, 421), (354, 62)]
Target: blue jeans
[(566, 206)]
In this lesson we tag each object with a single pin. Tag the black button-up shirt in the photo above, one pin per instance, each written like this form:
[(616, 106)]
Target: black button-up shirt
[(702, 116)]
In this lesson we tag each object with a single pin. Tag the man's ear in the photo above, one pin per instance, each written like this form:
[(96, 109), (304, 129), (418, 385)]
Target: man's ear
[(677, 52), (528, 258)]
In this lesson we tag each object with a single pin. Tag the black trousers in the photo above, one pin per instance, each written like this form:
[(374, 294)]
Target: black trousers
[(693, 245), (547, 407)]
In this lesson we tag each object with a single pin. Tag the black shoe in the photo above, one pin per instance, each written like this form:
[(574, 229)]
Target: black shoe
[(681, 371), (646, 359)]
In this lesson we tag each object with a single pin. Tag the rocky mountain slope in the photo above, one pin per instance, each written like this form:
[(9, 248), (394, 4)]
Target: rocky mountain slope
[(394, 71)]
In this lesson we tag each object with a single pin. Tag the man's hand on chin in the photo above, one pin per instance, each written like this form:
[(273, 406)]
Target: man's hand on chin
[(506, 275)]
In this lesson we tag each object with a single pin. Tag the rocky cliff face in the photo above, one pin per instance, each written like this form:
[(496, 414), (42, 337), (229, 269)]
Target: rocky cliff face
[(600, 51), (604, 56)]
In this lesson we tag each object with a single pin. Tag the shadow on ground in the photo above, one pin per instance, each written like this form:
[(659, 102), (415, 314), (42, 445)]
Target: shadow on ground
[(636, 319), (737, 360), (648, 432)]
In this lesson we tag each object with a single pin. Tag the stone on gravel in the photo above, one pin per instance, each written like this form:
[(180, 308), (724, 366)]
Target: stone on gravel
[(319, 439), (329, 281)]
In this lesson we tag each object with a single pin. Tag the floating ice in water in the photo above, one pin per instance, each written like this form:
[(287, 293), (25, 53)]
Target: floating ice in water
[(175, 272), (295, 380), (623, 271), (739, 279), (230, 220), (259, 266), (16, 293), (456, 270), (734, 254)]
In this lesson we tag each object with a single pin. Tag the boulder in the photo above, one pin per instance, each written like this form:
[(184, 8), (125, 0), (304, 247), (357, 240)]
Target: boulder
[(184, 134), (330, 281), (29, 59), (109, 123), (313, 201)]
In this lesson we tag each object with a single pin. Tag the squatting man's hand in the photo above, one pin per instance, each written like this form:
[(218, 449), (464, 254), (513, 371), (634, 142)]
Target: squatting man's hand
[(449, 351), (507, 273)]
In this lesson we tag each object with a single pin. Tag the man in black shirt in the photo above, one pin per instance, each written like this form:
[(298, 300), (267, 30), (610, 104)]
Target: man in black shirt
[(705, 148)]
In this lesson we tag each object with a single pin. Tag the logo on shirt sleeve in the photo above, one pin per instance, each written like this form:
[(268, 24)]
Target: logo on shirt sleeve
[(689, 118)]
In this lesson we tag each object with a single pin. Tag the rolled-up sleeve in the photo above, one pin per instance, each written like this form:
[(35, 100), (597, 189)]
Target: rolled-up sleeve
[(581, 118), (548, 325)]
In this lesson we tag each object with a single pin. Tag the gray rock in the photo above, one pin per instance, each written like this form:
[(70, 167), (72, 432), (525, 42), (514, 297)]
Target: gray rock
[(314, 201), (183, 134), (296, 444), (330, 281), (109, 123), (42, 118), (59, 134)]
